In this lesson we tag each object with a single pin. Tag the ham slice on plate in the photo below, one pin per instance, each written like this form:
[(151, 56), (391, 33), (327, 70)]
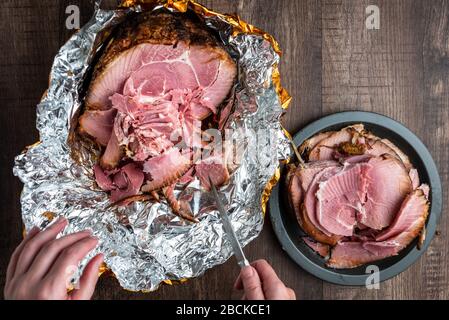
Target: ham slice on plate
[(358, 194), (411, 214), (388, 185), (310, 200), (408, 224), (340, 198), (298, 184), (322, 249), (325, 149)]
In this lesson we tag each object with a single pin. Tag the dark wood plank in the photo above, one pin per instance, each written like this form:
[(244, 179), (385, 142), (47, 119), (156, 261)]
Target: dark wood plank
[(435, 265), (331, 63)]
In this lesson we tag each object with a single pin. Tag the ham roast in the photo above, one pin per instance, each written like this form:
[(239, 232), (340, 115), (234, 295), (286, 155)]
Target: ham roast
[(357, 197), (160, 77)]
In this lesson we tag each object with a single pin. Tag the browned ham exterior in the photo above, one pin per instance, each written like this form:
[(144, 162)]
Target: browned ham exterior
[(358, 196), (325, 149), (161, 75)]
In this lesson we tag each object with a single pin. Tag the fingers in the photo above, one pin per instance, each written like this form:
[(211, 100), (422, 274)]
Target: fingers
[(88, 280), (15, 256), (266, 272), (69, 259), (50, 252), (273, 287), (251, 284), (32, 247), (292, 294), (238, 285)]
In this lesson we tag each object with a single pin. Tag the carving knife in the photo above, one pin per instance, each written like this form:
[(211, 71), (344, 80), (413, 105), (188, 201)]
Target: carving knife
[(229, 230)]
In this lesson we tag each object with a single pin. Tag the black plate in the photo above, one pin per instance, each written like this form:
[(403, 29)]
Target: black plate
[(289, 233)]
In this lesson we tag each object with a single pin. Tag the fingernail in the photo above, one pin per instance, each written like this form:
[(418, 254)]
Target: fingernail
[(34, 230)]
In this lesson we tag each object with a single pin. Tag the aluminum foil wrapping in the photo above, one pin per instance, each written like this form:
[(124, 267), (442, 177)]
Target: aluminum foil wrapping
[(145, 244)]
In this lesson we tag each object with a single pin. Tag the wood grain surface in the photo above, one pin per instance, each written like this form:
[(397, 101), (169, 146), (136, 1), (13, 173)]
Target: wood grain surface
[(331, 63)]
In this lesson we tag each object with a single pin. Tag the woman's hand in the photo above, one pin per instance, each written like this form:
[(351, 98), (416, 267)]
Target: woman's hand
[(260, 282), (41, 266)]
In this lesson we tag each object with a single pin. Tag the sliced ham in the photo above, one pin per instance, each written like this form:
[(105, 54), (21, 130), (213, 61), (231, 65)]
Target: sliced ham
[(175, 50), (310, 200), (98, 125), (312, 142), (408, 224), (215, 168), (296, 187), (378, 147), (113, 154), (322, 249), (414, 177), (166, 169), (122, 183), (388, 185), (340, 198), (368, 206), (325, 149), (413, 211), (352, 254)]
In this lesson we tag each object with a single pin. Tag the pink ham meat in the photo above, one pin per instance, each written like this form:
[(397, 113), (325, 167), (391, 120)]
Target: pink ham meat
[(299, 181), (214, 168), (340, 197), (347, 255), (123, 183), (113, 153), (322, 249), (158, 79), (388, 185), (145, 130), (310, 200), (414, 177), (413, 212), (166, 169), (367, 206), (98, 125), (406, 227), (155, 55)]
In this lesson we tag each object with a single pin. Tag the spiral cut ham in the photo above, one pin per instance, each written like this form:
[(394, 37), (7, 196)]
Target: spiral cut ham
[(357, 197), (159, 78)]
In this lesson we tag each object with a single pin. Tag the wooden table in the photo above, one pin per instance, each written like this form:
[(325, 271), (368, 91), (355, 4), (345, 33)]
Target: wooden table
[(331, 63)]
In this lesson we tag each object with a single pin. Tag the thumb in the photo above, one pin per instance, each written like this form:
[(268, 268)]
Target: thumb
[(88, 280), (251, 284)]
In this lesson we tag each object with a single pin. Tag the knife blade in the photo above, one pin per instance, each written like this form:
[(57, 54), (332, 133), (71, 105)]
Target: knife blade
[(229, 230)]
